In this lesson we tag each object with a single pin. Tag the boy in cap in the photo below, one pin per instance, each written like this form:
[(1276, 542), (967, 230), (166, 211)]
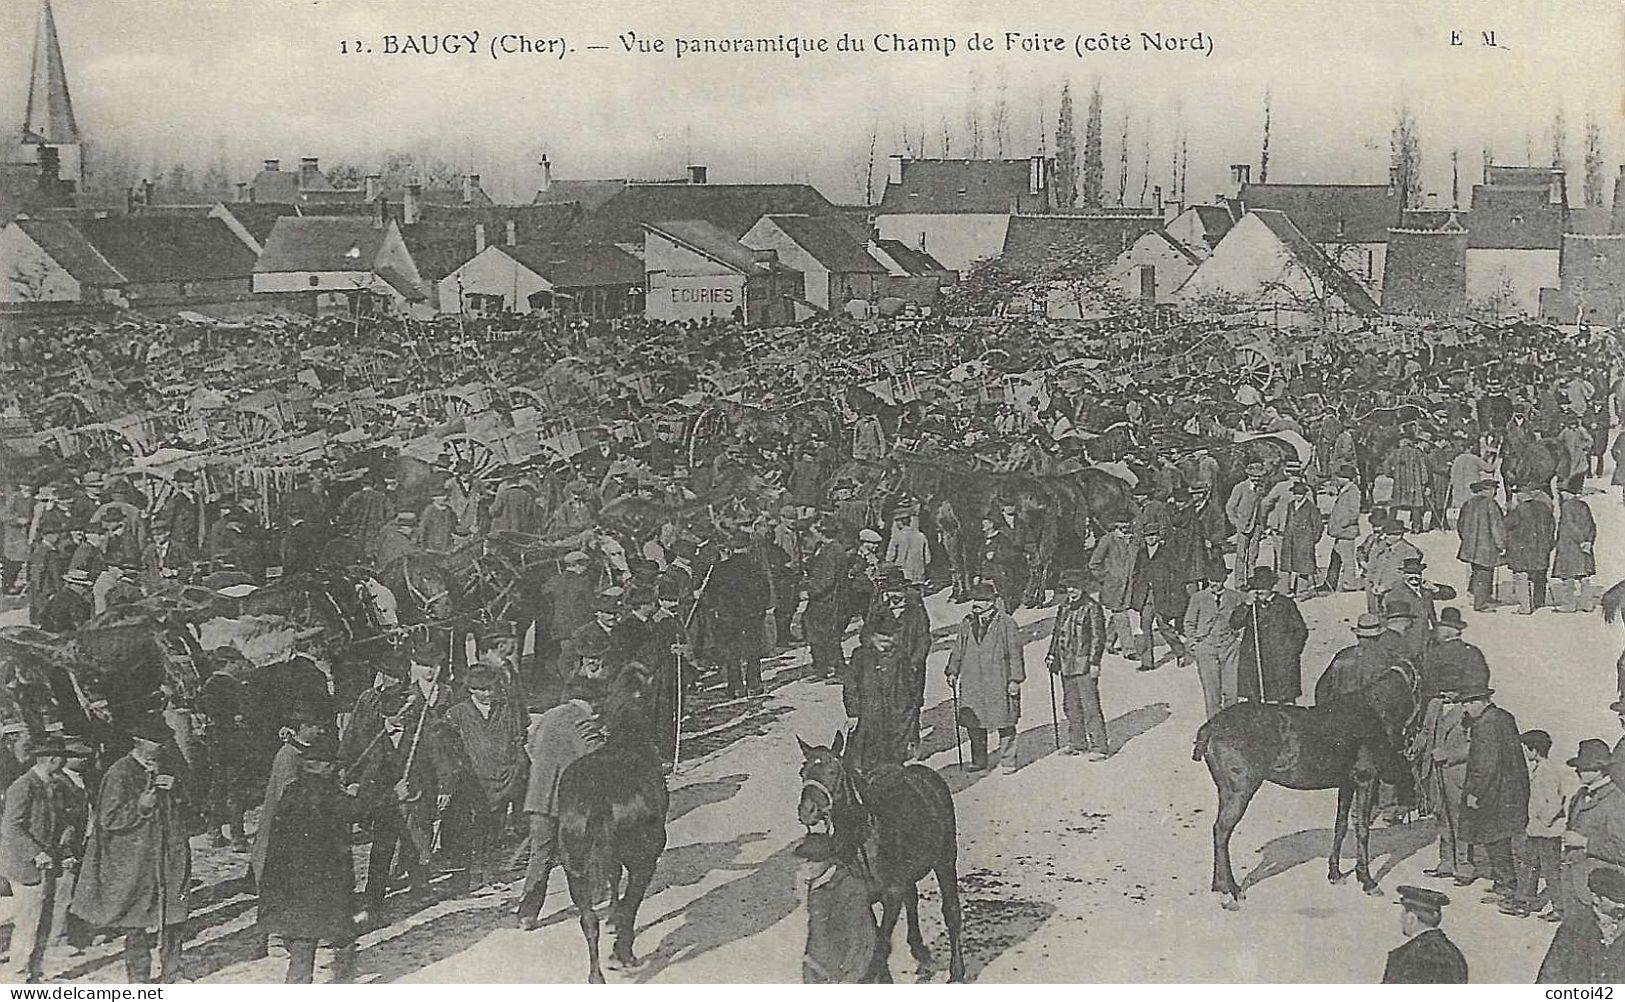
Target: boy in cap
[(1427, 955)]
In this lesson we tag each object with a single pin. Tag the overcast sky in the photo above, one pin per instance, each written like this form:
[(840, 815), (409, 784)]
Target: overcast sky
[(265, 78)]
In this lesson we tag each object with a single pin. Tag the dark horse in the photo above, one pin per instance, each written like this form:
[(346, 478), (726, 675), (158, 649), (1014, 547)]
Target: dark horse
[(1348, 744), (895, 825), (612, 817)]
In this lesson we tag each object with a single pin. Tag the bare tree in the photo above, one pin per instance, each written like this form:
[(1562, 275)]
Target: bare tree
[(1560, 140), (1184, 163), (28, 280), (1264, 152), (1594, 196), (1405, 157), (947, 137), (1094, 171), (973, 116), (1001, 112), (1455, 179), (1122, 162), (1145, 158), (869, 162), (1066, 152)]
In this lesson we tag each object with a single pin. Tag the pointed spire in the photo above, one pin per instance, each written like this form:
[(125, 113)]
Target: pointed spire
[(49, 117)]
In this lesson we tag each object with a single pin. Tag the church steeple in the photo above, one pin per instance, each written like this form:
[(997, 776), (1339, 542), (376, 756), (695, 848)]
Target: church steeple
[(48, 120)]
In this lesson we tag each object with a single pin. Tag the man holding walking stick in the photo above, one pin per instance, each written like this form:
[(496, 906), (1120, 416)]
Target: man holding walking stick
[(138, 864), (1076, 645)]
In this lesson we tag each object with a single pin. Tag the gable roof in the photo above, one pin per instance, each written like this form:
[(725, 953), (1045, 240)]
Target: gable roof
[(275, 186), (444, 235), (1330, 213), (829, 243), (169, 248), (68, 247), (258, 218), (1214, 221), (1314, 260), (732, 208), (322, 243), (714, 242), (1507, 217), (589, 193), (915, 262), (578, 266), (1036, 244), (1164, 237), (946, 186)]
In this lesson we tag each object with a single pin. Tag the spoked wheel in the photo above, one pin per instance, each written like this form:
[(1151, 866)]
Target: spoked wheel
[(254, 426), (481, 457), (1254, 368)]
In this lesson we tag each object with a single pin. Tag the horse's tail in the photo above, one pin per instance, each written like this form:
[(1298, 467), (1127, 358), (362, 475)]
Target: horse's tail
[(1613, 603), (1199, 752)]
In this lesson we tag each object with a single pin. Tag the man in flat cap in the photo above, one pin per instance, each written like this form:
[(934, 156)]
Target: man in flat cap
[(1427, 956)]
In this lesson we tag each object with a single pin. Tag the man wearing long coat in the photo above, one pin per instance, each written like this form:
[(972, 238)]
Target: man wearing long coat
[(1410, 472), (1357, 666), (878, 693), (139, 830), (1482, 530), (1495, 797), (827, 574), (1531, 533), (1272, 637), (1300, 534), (492, 738), (1574, 560), (1343, 525), (738, 599), (986, 668)]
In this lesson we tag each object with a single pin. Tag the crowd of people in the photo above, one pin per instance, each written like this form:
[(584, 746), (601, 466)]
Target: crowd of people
[(721, 496)]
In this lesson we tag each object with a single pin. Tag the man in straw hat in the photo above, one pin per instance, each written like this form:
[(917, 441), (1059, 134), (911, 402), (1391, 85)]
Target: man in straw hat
[(138, 863), (1427, 955)]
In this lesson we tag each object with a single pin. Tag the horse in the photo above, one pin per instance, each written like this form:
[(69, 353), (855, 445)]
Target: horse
[(612, 806), (1613, 608), (896, 824), (1347, 744)]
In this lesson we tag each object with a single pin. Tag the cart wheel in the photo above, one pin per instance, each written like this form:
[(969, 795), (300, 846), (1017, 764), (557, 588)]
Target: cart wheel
[(1253, 367), (466, 448), (253, 426)]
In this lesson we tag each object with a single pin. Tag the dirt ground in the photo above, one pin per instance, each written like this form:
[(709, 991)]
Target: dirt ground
[(1070, 870)]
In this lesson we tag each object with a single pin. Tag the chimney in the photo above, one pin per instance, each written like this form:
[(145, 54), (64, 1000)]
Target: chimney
[(410, 203), (242, 191), (471, 184), (547, 174), (1148, 284), (380, 214), (894, 169), (372, 186), (696, 173), (1241, 174), (1156, 199), (308, 169), (1036, 182), (146, 192), (1393, 178), (511, 238), (479, 237), (273, 165)]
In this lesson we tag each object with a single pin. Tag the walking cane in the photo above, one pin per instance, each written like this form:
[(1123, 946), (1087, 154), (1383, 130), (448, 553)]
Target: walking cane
[(959, 746), (677, 743), (163, 883), (1055, 718)]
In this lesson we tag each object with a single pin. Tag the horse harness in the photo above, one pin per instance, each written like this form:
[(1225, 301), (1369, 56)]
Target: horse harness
[(849, 784)]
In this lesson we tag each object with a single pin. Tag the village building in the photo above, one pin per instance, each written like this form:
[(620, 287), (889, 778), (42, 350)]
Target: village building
[(730, 208), (340, 264), (1592, 289), (600, 281), (959, 211), (838, 267), (1348, 222), (1265, 261), (695, 271), (1426, 267), (1515, 238)]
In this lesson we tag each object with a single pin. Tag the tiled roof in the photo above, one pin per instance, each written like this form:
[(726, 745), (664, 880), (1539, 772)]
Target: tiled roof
[(712, 241), (1515, 218), (1330, 213), (322, 243), (443, 237), (590, 194), (1215, 221), (279, 187), (915, 262), (401, 284), (259, 218), (732, 208), (169, 248), (69, 248), (579, 266), (829, 243), (1589, 220), (1036, 244), (982, 186), (1315, 262), (21, 192)]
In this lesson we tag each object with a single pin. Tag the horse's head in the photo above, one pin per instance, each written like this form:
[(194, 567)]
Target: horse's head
[(825, 783)]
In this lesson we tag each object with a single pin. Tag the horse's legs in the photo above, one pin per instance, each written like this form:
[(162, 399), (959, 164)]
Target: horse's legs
[(891, 901), (626, 922), (1345, 797), (1365, 802), (948, 887), (581, 892), (916, 942), (1233, 803)]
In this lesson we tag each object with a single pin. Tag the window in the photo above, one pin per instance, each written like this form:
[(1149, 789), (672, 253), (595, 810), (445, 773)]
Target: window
[(1517, 220), (315, 280)]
